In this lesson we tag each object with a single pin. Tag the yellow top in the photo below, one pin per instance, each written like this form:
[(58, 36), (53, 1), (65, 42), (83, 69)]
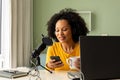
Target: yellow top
[(56, 50)]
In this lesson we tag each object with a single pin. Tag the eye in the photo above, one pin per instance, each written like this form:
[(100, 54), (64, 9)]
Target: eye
[(56, 30), (65, 29)]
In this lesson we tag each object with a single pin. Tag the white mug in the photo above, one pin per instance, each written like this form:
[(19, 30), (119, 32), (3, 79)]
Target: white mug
[(71, 62)]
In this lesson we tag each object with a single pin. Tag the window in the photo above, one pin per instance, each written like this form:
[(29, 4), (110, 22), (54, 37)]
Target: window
[(5, 18)]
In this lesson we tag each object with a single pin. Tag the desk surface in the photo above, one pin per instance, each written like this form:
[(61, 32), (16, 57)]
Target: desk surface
[(44, 75)]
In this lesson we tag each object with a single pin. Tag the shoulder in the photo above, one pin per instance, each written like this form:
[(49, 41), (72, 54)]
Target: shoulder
[(77, 44), (55, 45), (54, 48)]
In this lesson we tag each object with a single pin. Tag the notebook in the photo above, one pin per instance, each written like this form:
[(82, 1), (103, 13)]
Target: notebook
[(100, 57), (12, 73)]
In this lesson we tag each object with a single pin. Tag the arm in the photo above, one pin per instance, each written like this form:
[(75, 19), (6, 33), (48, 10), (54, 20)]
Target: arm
[(51, 63)]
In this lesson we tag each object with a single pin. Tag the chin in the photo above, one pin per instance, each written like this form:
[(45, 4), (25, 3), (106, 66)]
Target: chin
[(61, 41)]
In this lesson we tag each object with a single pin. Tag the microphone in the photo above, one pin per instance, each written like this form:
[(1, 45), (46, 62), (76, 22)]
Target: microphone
[(46, 41)]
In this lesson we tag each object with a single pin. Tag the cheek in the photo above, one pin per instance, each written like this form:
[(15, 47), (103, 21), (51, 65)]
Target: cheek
[(68, 34), (56, 34)]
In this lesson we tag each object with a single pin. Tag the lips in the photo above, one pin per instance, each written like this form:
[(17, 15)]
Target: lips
[(61, 38)]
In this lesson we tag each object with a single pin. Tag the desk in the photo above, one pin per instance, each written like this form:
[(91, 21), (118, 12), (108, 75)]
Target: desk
[(44, 75)]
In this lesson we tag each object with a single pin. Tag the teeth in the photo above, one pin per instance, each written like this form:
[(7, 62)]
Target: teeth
[(61, 38)]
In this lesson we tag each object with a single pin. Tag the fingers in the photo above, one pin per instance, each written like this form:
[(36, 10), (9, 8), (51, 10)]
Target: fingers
[(58, 64), (77, 63), (52, 64)]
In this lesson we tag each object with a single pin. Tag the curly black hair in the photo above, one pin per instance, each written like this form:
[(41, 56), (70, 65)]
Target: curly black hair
[(76, 22)]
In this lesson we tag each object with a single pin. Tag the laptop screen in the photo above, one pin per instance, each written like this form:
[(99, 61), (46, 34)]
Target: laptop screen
[(100, 57)]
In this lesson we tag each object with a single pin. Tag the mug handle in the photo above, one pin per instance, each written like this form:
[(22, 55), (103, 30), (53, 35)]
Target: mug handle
[(69, 61)]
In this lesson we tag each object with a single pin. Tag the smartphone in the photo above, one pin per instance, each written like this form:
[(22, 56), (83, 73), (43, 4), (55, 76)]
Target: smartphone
[(57, 58)]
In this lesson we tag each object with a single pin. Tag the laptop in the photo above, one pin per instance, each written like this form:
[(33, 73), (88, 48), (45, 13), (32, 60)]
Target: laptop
[(100, 57)]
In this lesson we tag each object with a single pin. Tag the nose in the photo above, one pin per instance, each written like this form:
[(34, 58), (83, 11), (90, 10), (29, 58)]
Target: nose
[(60, 32)]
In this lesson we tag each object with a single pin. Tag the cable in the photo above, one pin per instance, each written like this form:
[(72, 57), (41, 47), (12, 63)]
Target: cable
[(82, 76)]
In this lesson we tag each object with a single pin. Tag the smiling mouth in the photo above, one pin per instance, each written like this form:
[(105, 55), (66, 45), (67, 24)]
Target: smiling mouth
[(61, 38)]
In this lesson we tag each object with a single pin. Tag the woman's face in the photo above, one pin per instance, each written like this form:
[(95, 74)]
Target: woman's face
[(63, 31)]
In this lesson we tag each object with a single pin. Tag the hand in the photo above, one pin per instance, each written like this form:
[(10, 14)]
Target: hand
[(77, 63), (54, 64)]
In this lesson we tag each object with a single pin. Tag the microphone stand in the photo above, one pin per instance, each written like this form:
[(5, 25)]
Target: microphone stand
[(39, 64), (36, 55), (36, 52)]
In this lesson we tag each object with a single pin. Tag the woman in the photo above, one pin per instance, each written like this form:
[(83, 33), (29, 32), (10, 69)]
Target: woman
[(65, 28)]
